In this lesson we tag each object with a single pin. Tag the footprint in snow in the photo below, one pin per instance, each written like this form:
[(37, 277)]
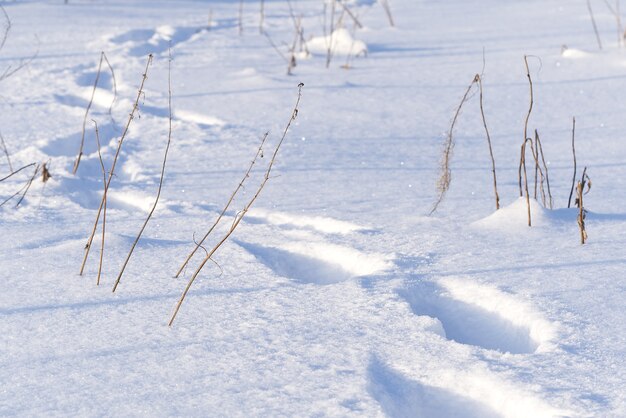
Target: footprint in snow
[(141, 42), (481, 316)]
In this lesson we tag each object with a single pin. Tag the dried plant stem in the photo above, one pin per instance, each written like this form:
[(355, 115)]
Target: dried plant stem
[(539, 149), (349, 13), (523, 164), (261, 16), (443, 184), (618, 20), (104, 199), (580, 191), (106, 60), (24, 188), (240, 20), (7, 29), (6, 152), (569, 201), (93, 93), (331, 30), (230, 200), (167, 148), (593, 23), (241, 214), (479, 80), (131, 116), (385, 4), (17, 171), (530, 109)]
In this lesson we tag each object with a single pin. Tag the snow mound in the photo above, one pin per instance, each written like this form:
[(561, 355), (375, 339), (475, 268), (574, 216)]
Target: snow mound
[(574, 53), (515, 216), (341, 42)]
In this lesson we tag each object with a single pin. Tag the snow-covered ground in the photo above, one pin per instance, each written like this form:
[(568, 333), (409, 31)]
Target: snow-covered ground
[(337, 295)]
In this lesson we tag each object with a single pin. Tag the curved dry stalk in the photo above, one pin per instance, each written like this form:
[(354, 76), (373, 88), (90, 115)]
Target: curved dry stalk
[(593, 22), (5, 35), (242, 214), (114, 86), (443, 184), (6, 151), (569, 201), (82, 136), (117, 153), (478, 78), (17, 171), (104, 210), (539, 148), (530, 109), (25, 186), (167, 148), (230, 200), (523, 164)]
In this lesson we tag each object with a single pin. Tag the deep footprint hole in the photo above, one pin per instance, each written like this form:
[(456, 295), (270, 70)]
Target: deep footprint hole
[(467, 323)]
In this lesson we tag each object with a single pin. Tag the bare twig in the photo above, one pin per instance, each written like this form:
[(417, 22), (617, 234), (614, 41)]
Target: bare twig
[(24, 188), (6, 151), (240, 17), (569, 201), (539, 148), (618, 20), (479, 80), (17, 171), (331, 30), (7, 29), (104, 198), (530, 109), (523, 164), (294, 114), (114, 86), (593, 22), (582, 213), (167, 148), (258, 154), (385, 4), (261, 16), (131, 116), (443, 184), (349, 12), (93, 94), (30, 182)]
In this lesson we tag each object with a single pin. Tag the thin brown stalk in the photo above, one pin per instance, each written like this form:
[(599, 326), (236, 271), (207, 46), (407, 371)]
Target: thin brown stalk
[(7, 28), (530, 109), (349, 13), (104, 210), (580, 192), (17, 171), (618, 20), (385, 4), (593, 22), (478, 79), (93, 94), (230, 200), (24, 188), (242, 214), (106, 60), (167, 148), (539, 148), (131, 116), (261, 16), (523, 164), (6, 151), (240, 17), (569, 201), (443, 184), (539, 175), (331, 30)]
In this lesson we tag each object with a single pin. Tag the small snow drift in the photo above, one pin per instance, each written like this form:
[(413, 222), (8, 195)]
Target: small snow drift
[(480, 315), (319, 263), (402, 397), (341, 42), (318, 223), (515, 216)]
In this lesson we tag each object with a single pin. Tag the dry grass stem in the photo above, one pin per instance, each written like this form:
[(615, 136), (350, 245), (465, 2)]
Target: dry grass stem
[(593, 23), (582, 212), (167, 148), (618, 21), (261, 16), (569, 201), (24, 188), (104, 199), (443, 184), (240, 19), (539, 149), (349, 13), (17, 171), (131, 116), (478, 78), (258, 154), (242, 214), (523, 165), (6, 152)]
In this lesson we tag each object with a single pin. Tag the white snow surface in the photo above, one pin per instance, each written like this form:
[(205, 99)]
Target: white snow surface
[(338, 294)]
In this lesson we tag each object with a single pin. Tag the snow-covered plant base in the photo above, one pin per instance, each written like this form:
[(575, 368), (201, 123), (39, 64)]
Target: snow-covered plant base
[(337, 295)]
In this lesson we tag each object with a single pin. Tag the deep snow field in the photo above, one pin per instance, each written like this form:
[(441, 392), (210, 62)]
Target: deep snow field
[(338, 294)]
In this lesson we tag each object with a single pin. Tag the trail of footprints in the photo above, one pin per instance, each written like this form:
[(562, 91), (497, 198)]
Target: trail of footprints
[(469, 313)]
